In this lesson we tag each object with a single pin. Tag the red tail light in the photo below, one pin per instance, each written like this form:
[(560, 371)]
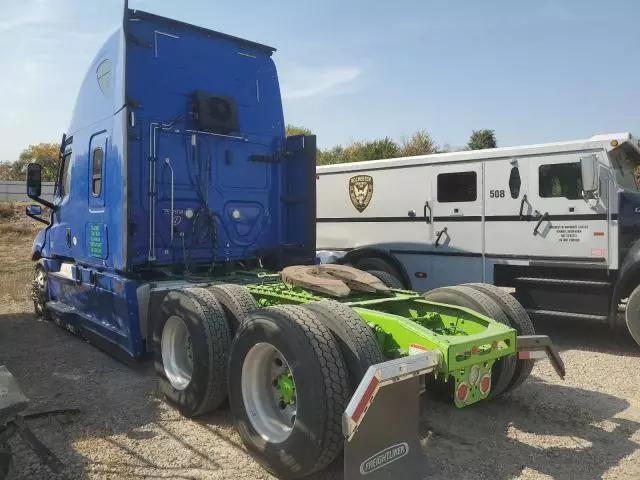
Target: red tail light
[(485, 384), (462, 393)]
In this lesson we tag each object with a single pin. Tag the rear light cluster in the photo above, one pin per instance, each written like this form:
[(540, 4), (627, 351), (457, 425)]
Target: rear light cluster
[(483, 383)]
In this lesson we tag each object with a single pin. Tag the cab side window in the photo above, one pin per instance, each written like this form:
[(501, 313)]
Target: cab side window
[(64, 185), (96, 171), (560, 180)]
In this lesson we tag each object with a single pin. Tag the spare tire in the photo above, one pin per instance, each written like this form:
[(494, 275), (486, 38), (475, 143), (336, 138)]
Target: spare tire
[(461, 296), (378, 264), (388, 279), (519, 319), (356, 339)]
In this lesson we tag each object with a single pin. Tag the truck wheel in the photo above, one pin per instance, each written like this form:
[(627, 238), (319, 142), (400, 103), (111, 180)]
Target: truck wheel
[(5, 460), (356, 339), (237, 303), (503, 368), (519, 319), (389, 280), (191, 344), (40, 292), (288, 389), (377, 264), (632, 314)]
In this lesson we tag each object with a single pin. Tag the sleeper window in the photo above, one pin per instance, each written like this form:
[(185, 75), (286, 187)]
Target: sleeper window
[(457, 187), (560, 180), (96, 172)]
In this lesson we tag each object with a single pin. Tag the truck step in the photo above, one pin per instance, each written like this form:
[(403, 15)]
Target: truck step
[(557, 314), (563, 282), (59, 307)]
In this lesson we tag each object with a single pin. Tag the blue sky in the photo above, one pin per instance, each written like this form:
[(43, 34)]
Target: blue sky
[(534, 71)]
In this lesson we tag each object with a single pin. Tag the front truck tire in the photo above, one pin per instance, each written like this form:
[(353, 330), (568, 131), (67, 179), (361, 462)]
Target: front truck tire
[(291, 432), (40, 291), (357, 341), (191, 341), (519, 319), (632, 314), (464, 296)]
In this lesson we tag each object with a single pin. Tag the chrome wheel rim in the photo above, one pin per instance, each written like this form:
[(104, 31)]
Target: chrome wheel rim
[(177, 353), (270, 404)]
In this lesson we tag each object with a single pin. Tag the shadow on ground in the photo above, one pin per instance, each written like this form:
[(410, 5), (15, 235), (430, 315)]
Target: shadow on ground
[(121, 422), (557, 430)]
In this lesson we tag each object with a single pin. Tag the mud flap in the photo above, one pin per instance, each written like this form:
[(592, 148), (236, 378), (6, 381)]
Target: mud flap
[(540, 346), (381, 422)]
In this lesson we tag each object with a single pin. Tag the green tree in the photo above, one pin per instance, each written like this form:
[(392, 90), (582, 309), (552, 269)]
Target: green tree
[(331, 156), (46, 154), (480, 139), (371, 150), (420, 143), (5, 171), (292, 130)]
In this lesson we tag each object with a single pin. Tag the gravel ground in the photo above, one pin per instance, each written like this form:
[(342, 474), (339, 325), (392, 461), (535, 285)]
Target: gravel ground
[(585, 427)]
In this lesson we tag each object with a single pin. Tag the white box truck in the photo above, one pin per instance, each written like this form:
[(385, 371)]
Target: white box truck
[(557, 222)]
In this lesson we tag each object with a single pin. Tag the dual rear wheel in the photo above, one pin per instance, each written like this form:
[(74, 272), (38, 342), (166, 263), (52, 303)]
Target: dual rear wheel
[(288, 371), (493, 302)]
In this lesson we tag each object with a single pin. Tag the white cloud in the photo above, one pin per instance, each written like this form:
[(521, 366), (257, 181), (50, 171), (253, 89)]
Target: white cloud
[(27, 14), (305, 82)]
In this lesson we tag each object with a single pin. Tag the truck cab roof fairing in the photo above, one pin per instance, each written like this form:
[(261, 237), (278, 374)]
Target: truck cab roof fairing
[(101, 93)]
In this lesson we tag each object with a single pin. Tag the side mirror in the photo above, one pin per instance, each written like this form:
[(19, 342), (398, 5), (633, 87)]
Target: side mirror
[(34, 180), (34, 210), (589, 171)]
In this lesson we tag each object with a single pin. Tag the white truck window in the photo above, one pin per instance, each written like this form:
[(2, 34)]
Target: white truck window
[(560, 180), (457, 187), (626, 160)]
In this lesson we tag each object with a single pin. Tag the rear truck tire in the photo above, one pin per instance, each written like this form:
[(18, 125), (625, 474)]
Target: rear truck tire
[(632, 314), (356, 340), (191, 341), (237, 303), (503, 368), (519, 320), (387, 278), (40, 291), (288, 389)]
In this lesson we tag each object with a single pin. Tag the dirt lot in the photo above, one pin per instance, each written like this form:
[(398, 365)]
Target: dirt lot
[(585, 427)]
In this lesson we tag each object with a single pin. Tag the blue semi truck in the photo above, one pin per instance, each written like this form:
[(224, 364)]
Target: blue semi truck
[(183, 228)]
